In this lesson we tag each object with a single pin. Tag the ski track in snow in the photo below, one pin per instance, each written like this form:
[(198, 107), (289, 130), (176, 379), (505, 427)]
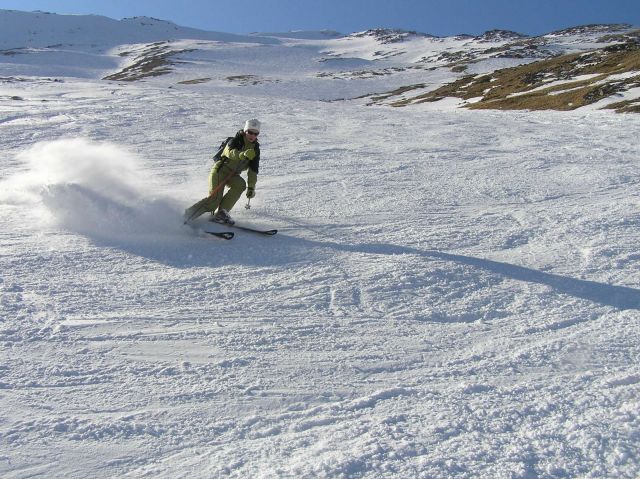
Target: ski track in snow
[(450, 294)]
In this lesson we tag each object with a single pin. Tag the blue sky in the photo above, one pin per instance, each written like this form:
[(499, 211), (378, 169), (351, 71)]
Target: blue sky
[(437, 17)]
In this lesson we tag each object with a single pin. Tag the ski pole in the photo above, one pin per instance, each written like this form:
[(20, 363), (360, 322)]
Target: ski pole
[(221, 185), (248, 205)]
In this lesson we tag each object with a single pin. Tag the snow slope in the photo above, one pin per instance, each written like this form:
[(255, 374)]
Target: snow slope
[(42, 29), (452, 293)]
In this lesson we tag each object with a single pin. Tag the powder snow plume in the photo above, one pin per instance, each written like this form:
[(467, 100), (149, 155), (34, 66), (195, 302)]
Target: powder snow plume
[(96, 189)]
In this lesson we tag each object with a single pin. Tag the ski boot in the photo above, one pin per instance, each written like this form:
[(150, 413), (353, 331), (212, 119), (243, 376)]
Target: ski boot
[(222, 216)]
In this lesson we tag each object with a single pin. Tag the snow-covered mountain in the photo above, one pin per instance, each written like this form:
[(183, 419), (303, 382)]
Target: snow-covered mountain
[(22, 30), (452, 292), (385, 66)]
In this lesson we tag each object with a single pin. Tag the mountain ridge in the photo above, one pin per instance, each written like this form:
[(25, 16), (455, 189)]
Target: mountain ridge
[(42, 29), (383, 66)]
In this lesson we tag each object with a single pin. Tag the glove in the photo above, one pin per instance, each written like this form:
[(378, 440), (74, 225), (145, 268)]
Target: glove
[(251, 192), (248, 155)]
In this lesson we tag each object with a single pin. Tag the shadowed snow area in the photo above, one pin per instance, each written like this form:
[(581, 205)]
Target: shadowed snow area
[(451, 293)]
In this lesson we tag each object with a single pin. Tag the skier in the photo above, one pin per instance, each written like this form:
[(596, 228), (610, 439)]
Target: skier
[(240, 153)]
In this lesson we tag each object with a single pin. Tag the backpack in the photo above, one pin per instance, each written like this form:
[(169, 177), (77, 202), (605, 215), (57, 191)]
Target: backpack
[(218, 155)]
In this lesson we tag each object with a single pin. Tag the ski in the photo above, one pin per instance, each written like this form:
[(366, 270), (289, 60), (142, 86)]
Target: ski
[(224, 234), (219, 234), (253, 230), (247, 228)]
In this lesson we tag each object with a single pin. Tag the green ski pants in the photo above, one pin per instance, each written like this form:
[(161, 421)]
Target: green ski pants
[(236, 185)]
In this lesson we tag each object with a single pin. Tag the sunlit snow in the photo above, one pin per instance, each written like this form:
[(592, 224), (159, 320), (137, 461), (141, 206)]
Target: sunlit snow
[(451, 293)]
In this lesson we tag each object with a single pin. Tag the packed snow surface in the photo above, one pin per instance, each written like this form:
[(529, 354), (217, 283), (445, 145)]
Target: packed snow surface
[(450, 294)]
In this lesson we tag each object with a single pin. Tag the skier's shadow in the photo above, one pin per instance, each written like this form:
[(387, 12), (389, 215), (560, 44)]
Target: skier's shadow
[(621, 297), (287, 249)]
